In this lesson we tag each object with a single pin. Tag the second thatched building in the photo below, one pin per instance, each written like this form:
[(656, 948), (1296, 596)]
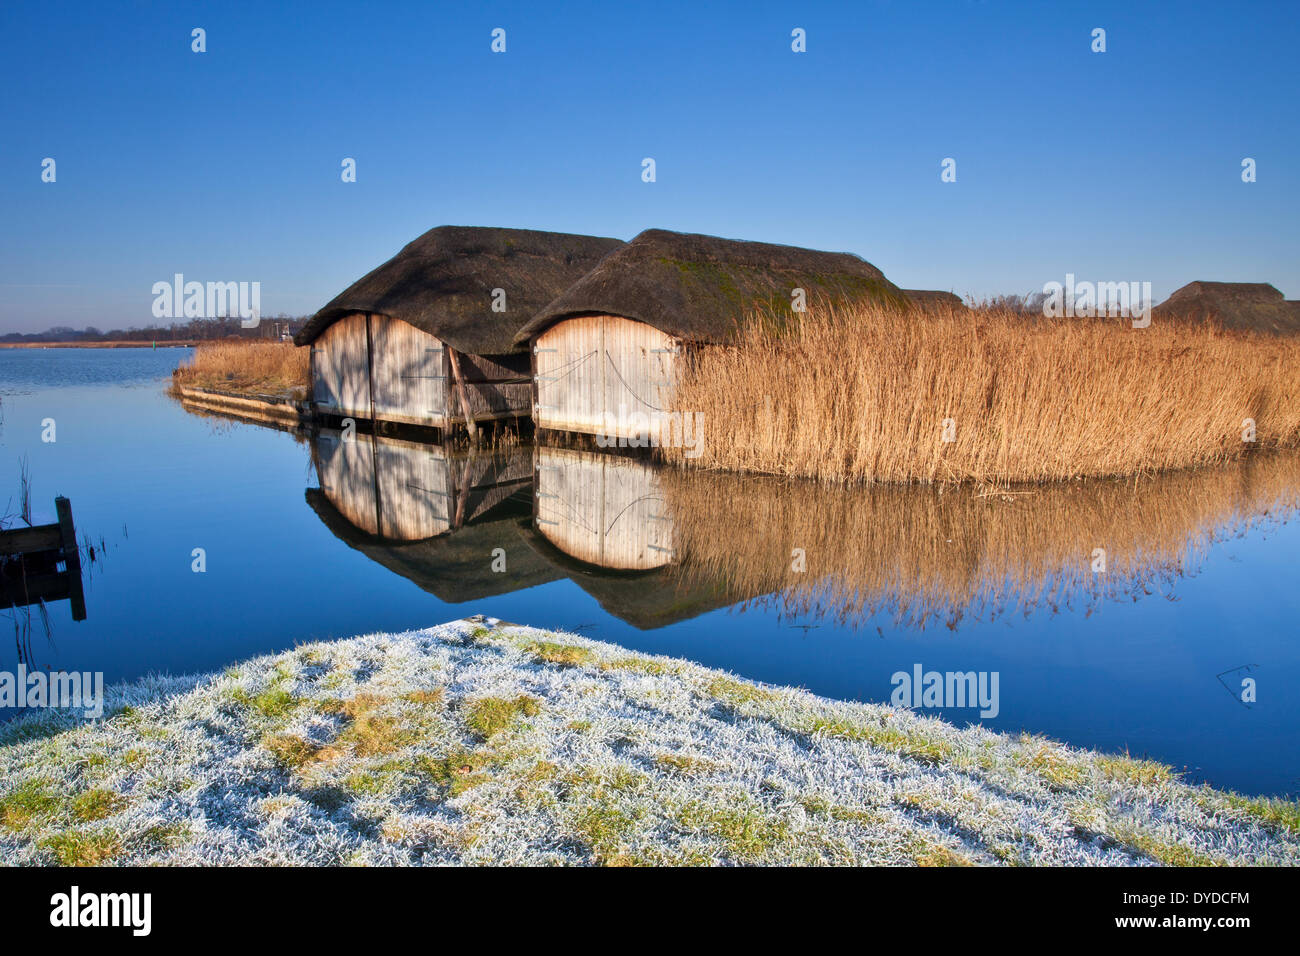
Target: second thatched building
[(605, 352)]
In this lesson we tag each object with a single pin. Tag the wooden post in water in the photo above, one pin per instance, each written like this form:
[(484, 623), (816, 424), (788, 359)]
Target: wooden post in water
[(71, 558)]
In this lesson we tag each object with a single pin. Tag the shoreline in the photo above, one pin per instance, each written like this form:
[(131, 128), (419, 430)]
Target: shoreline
[(256, 406), (482, 742), (151, 345)]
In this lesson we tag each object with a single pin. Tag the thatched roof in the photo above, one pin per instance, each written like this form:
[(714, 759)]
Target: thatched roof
[(442, 283), (929, 299), (1253, 306), (697, 287)]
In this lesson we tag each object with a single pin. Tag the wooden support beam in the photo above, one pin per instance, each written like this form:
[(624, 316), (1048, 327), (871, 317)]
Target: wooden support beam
[(462, 394), (39, 587), (45, 537)]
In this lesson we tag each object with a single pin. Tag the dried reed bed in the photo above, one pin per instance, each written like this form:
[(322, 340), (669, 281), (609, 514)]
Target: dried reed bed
[(247, 365), (863, 395), (942, 553)]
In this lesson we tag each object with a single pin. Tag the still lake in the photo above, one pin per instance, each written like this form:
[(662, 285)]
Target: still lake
[(775, 581)]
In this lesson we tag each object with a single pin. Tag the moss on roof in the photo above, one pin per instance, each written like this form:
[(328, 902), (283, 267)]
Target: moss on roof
[(699, 287)]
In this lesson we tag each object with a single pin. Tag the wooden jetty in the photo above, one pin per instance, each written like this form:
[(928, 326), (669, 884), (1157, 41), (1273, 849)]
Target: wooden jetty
[(276, 411), (40, 564)]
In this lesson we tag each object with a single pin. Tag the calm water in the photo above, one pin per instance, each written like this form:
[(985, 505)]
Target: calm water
[(894, 578)]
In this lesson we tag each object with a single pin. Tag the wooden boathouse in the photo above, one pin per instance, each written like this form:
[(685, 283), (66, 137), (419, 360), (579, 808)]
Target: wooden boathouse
[(605, 351), (428, 338)]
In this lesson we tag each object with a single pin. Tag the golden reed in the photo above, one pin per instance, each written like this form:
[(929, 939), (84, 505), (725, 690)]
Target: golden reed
[(871, 394), (247, 365)]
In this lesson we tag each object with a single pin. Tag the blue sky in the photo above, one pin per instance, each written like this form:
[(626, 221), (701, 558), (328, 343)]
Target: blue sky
[(225, 165)]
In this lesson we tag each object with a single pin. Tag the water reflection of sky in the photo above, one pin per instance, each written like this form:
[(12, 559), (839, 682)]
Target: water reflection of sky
[(155, 482)]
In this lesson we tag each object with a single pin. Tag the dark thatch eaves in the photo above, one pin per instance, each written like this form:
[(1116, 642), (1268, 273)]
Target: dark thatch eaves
[(1244, 306), (449, 566), (927, 299), (442, 283), (697, 288), (644, 599)]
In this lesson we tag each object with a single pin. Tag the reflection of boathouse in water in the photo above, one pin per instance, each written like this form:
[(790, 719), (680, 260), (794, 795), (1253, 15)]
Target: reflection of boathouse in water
[(605, 510), (429, 513), (437, 516), (656, 545), (409, 491)]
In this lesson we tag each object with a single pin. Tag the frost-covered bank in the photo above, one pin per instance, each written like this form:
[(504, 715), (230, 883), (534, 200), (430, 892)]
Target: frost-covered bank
[(480, 743)]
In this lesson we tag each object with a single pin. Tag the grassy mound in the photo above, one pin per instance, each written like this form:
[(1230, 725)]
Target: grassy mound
[(474, 743)]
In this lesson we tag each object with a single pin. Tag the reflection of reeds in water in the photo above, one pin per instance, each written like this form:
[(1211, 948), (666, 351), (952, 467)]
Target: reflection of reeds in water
[(930, 555), (863, 395)]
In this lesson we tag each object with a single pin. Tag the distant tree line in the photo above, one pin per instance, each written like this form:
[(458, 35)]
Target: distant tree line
[(270, 327), (1032, 302)]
